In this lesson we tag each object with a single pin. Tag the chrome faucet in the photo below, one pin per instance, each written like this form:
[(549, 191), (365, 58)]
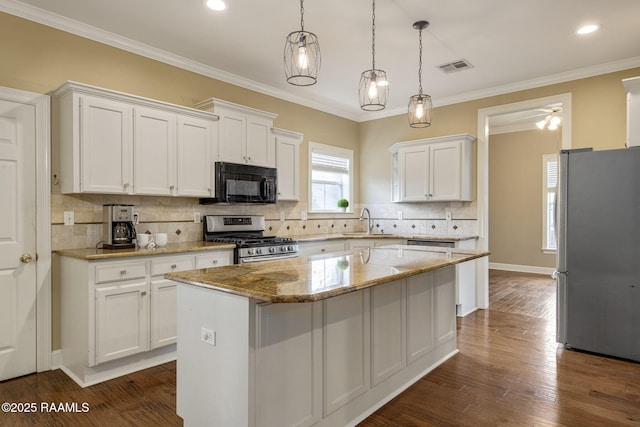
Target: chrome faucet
[(369, 223)]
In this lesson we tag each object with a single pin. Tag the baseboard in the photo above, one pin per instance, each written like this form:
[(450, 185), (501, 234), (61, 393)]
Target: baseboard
[(56, 359), (521, 268)]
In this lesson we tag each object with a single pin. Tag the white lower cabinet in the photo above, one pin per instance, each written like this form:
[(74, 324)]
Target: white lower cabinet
[(324, 363), (122, 320), (163, 325), (120, 316)]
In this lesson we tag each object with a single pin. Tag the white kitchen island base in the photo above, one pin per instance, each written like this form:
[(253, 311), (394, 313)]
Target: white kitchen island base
[(325, 363)]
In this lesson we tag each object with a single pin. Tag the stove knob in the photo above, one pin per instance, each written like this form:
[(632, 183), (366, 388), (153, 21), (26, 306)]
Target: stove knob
[(258, 251), (283, 249), (272, 249), (290, 248), (250, 251)]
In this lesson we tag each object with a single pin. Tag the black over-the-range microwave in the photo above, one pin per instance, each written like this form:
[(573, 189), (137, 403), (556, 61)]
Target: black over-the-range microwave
[(238, 183)]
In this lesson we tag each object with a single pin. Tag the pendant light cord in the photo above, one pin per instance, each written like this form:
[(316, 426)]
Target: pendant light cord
[(420, 66), (373, 37), (302, 15)]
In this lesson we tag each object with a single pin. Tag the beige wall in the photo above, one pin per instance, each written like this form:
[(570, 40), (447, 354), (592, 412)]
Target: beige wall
[(515, 196)]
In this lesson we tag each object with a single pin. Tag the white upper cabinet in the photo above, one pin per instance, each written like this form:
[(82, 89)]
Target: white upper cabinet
[(245, 134), (154, 152), (196, 139), (101, 160), (433, 170), (288, 163), (114, 143)]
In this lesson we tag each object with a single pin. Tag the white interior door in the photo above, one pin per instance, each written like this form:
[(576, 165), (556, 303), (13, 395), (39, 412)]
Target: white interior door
[(17, 239)]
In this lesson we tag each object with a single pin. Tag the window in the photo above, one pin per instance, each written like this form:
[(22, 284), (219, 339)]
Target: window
[(330, 176), (549, 190)]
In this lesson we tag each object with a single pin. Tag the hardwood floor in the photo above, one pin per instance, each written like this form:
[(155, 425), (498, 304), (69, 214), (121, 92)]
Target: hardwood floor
[(509, 371)]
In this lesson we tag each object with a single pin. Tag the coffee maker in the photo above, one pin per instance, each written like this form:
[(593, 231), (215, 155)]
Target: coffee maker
[(118, 227)]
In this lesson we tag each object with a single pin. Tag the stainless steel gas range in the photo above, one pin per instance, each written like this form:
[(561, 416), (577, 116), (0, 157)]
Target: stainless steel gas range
[(247, 233)]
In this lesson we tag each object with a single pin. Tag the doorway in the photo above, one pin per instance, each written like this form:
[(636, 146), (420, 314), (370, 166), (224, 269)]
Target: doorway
[(484, 123)]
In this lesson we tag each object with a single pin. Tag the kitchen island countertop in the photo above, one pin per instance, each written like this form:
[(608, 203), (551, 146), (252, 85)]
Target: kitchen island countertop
[(314, 278)]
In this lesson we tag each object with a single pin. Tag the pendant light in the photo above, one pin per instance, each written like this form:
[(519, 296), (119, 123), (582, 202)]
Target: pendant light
[(301, 55), (373, 90), (420, 106)]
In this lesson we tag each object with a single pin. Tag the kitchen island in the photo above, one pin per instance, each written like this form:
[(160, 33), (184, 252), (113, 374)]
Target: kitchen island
[(321, 340)]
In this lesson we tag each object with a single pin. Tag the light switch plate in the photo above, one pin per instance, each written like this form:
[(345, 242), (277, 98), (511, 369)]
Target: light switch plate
[(281, 215), (400, 215), (447, 215), (196, 217), (304, 215)]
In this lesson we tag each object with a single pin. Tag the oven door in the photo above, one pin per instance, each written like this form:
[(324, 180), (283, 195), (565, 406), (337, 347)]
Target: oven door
[(237, 183)]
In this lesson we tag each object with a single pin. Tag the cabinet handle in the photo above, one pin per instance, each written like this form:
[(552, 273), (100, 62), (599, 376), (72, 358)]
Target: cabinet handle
[(215, 261), (126, 184), (143, 293), (172, 187), (123, 272), (173, 266), (322, 250)]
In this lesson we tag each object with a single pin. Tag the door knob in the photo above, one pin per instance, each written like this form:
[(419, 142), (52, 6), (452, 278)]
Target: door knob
[(26, 258)]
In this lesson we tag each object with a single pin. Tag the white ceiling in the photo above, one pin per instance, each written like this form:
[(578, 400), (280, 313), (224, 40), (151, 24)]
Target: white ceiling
[(512, 44)]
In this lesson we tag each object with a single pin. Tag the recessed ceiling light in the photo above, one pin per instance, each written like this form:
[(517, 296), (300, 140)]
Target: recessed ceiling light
[(217, 5), (587, 29)]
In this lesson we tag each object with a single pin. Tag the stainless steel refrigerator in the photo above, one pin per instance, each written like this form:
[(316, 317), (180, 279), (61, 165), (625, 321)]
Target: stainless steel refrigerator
[(598, 258)]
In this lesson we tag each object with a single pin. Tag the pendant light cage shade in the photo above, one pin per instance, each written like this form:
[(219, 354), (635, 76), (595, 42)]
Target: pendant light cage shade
[(302, 58), (420, 111), (373, 90)]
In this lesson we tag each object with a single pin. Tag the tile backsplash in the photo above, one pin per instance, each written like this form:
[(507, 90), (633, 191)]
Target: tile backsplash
[(175, 216)]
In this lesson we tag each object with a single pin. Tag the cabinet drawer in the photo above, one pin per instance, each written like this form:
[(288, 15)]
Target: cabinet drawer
[(120, 271), (161, 266), (214, 259)]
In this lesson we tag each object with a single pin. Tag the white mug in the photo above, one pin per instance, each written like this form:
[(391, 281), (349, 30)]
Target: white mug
[(144, 239), (161, 239)]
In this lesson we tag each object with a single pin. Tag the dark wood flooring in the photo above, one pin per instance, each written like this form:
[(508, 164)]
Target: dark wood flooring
[(509, 371)]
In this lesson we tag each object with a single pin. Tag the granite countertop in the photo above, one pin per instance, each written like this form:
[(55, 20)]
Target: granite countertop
[(338, 236), (93, 254), (314, 278)]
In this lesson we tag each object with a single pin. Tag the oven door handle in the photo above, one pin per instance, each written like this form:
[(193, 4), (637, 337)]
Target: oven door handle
[(266, 258)]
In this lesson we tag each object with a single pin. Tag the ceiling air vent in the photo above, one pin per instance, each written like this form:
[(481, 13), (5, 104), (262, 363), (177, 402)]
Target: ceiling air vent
[(455, 66)]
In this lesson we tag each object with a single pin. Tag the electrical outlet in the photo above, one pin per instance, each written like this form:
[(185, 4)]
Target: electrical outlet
[(447, 215), (281, 215), (400, 215), (208, 336), (304, 215), (69, 218), (196, 217)]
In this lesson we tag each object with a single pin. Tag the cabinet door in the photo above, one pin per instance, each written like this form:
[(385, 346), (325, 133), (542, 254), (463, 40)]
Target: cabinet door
[(122, 320), (233, 137), (260, 149), (195, 140), (288, 164), (444, 171), (106, 146), (154, 152), (414, 173), (164, 327)]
